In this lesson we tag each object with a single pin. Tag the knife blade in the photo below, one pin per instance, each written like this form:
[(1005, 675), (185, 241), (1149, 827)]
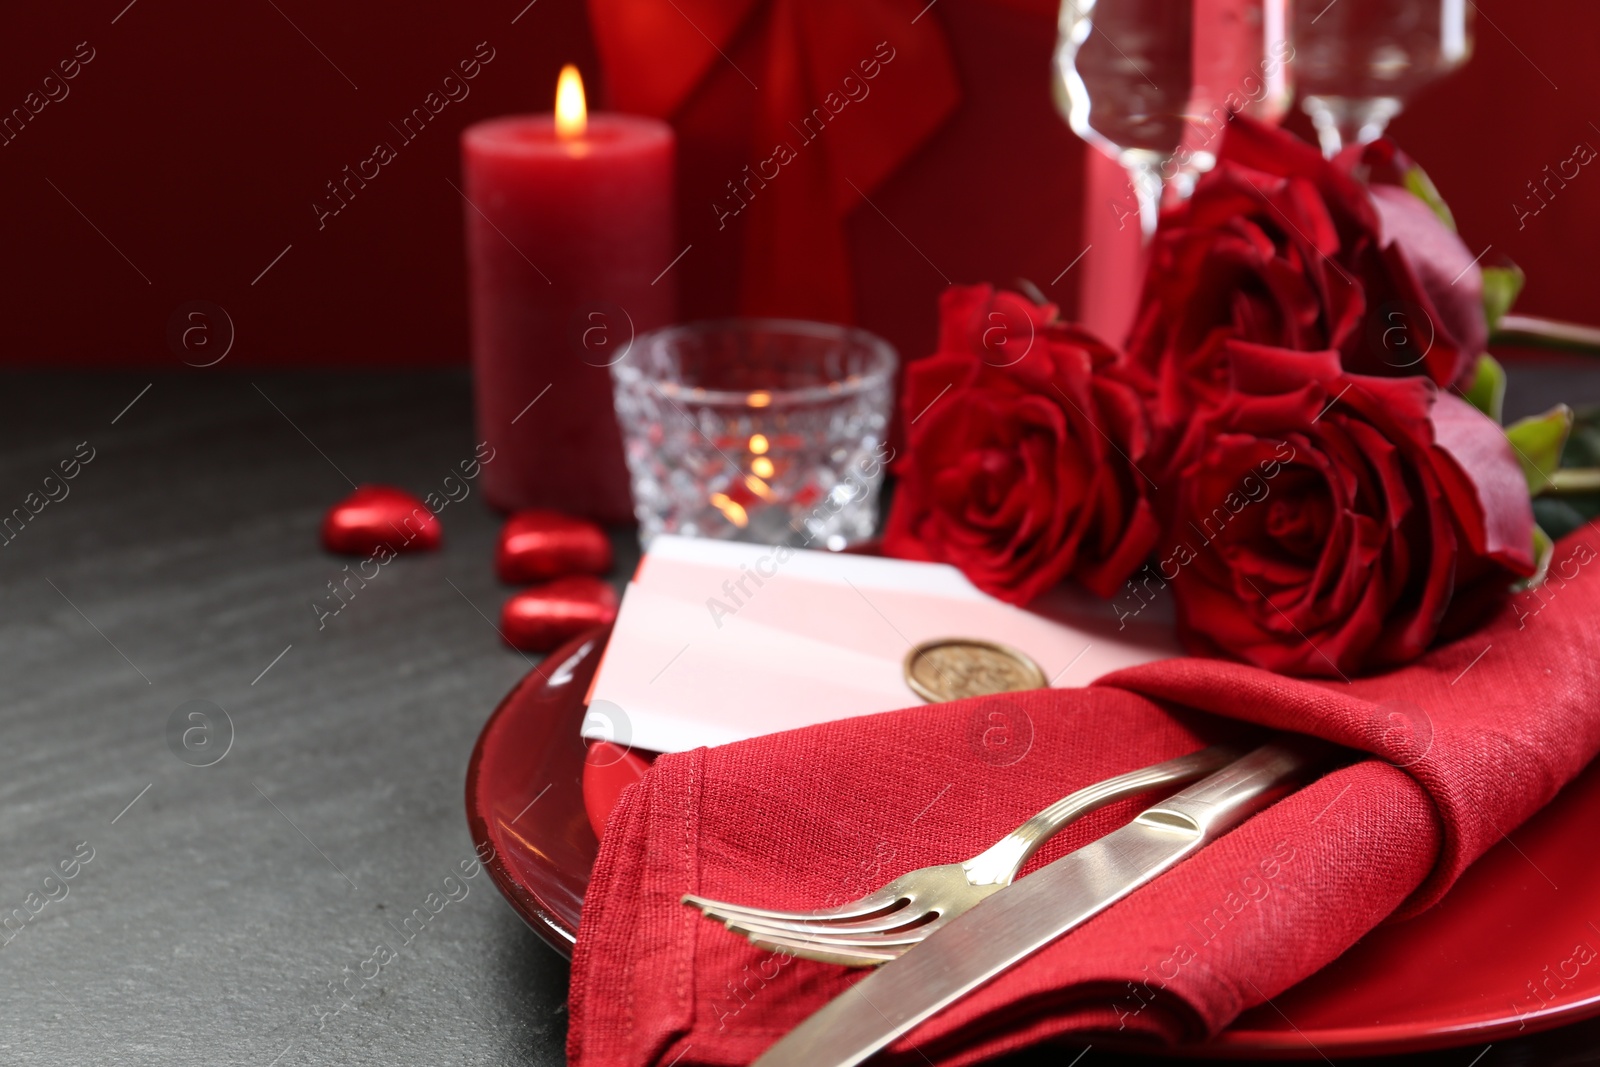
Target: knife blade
[(1029, 914)]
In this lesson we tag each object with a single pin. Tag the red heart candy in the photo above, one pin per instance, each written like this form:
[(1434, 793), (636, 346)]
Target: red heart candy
[(535, 545), (379, 516), (538, 620)]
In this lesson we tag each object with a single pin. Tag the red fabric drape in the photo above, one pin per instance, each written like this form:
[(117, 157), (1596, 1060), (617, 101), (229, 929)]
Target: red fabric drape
[(846, 90)]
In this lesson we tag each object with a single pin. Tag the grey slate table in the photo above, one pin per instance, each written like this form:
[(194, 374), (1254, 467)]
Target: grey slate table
[(223, 904)]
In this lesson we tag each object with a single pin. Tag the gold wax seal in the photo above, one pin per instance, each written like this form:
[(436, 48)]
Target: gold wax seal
[(950, 668)]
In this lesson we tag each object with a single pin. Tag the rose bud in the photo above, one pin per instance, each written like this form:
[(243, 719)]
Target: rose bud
[(376, 516), (541, 619), (1024, 441), (1325, 523), (536, 545)]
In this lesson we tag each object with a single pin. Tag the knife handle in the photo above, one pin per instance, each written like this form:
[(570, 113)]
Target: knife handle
[(1213, 806)]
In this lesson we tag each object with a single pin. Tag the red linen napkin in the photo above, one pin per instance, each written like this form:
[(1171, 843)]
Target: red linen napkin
[(1477, 736)]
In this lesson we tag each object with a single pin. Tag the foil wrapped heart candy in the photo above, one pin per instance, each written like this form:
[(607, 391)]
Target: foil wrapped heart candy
[(537, 545), (540, 619), (534, 545), (377, 516)]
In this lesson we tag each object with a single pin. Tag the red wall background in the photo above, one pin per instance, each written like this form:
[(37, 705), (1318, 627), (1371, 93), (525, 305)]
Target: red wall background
[(188, 152)]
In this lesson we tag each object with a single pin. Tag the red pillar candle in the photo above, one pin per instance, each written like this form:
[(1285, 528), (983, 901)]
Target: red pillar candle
[(569, 237)]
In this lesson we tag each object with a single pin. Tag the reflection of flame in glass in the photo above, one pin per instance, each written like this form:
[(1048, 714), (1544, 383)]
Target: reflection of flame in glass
[(758, 443), (759, 399), (732, 510), (762, 466), (760, 488)]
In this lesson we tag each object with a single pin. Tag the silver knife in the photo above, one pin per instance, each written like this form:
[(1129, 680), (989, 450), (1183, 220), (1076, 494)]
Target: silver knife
[(1024, 917)]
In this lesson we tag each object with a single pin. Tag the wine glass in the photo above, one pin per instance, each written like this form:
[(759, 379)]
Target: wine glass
[(1356, 61), (1241, 66), (1153, 83)]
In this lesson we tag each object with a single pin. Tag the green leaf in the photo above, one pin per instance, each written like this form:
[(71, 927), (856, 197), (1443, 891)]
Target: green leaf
[(1419, 185), (1501, 286), (1543, 548), (1538, 441), (1487, 392)]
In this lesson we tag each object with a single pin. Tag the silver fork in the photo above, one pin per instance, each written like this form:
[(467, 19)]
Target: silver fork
[(882, 925)]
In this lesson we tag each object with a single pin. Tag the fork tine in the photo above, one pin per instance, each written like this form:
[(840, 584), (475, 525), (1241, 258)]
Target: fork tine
[(834, 939), (811, 950), (867, 907), (907, 918)]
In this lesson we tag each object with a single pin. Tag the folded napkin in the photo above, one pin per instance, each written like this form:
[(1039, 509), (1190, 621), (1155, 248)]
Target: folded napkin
[(1471, 740)]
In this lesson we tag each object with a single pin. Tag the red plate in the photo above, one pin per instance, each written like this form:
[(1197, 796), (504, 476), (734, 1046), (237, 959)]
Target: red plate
[(1505, 952)]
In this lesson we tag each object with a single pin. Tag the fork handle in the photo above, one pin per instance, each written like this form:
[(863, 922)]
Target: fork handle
[(999, 864)]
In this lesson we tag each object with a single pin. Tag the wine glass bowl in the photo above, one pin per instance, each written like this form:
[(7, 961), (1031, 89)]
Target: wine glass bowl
[(1357, 61), (1123, 77), (1152, 83)]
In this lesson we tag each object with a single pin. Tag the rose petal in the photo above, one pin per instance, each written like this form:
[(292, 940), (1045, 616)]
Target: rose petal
[(1485, 483), (1445, 271)]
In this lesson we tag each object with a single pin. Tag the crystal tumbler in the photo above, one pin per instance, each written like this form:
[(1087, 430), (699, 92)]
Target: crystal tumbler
[(760, 430)]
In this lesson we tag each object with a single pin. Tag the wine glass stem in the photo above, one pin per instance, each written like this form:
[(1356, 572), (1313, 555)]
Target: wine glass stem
[(1146, 181), (1331, 138), (1344, 121)]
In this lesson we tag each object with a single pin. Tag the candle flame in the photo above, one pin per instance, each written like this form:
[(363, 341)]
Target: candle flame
[(572, 113), (762, 466), (758, 443)]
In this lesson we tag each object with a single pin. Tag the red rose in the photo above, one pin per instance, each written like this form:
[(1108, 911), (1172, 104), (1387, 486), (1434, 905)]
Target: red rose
[(1323, 521), (1023, 441), (999, 327), (1281, 247)]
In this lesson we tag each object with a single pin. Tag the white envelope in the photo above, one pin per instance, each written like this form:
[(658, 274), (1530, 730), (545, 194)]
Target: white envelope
[(718, 641)]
